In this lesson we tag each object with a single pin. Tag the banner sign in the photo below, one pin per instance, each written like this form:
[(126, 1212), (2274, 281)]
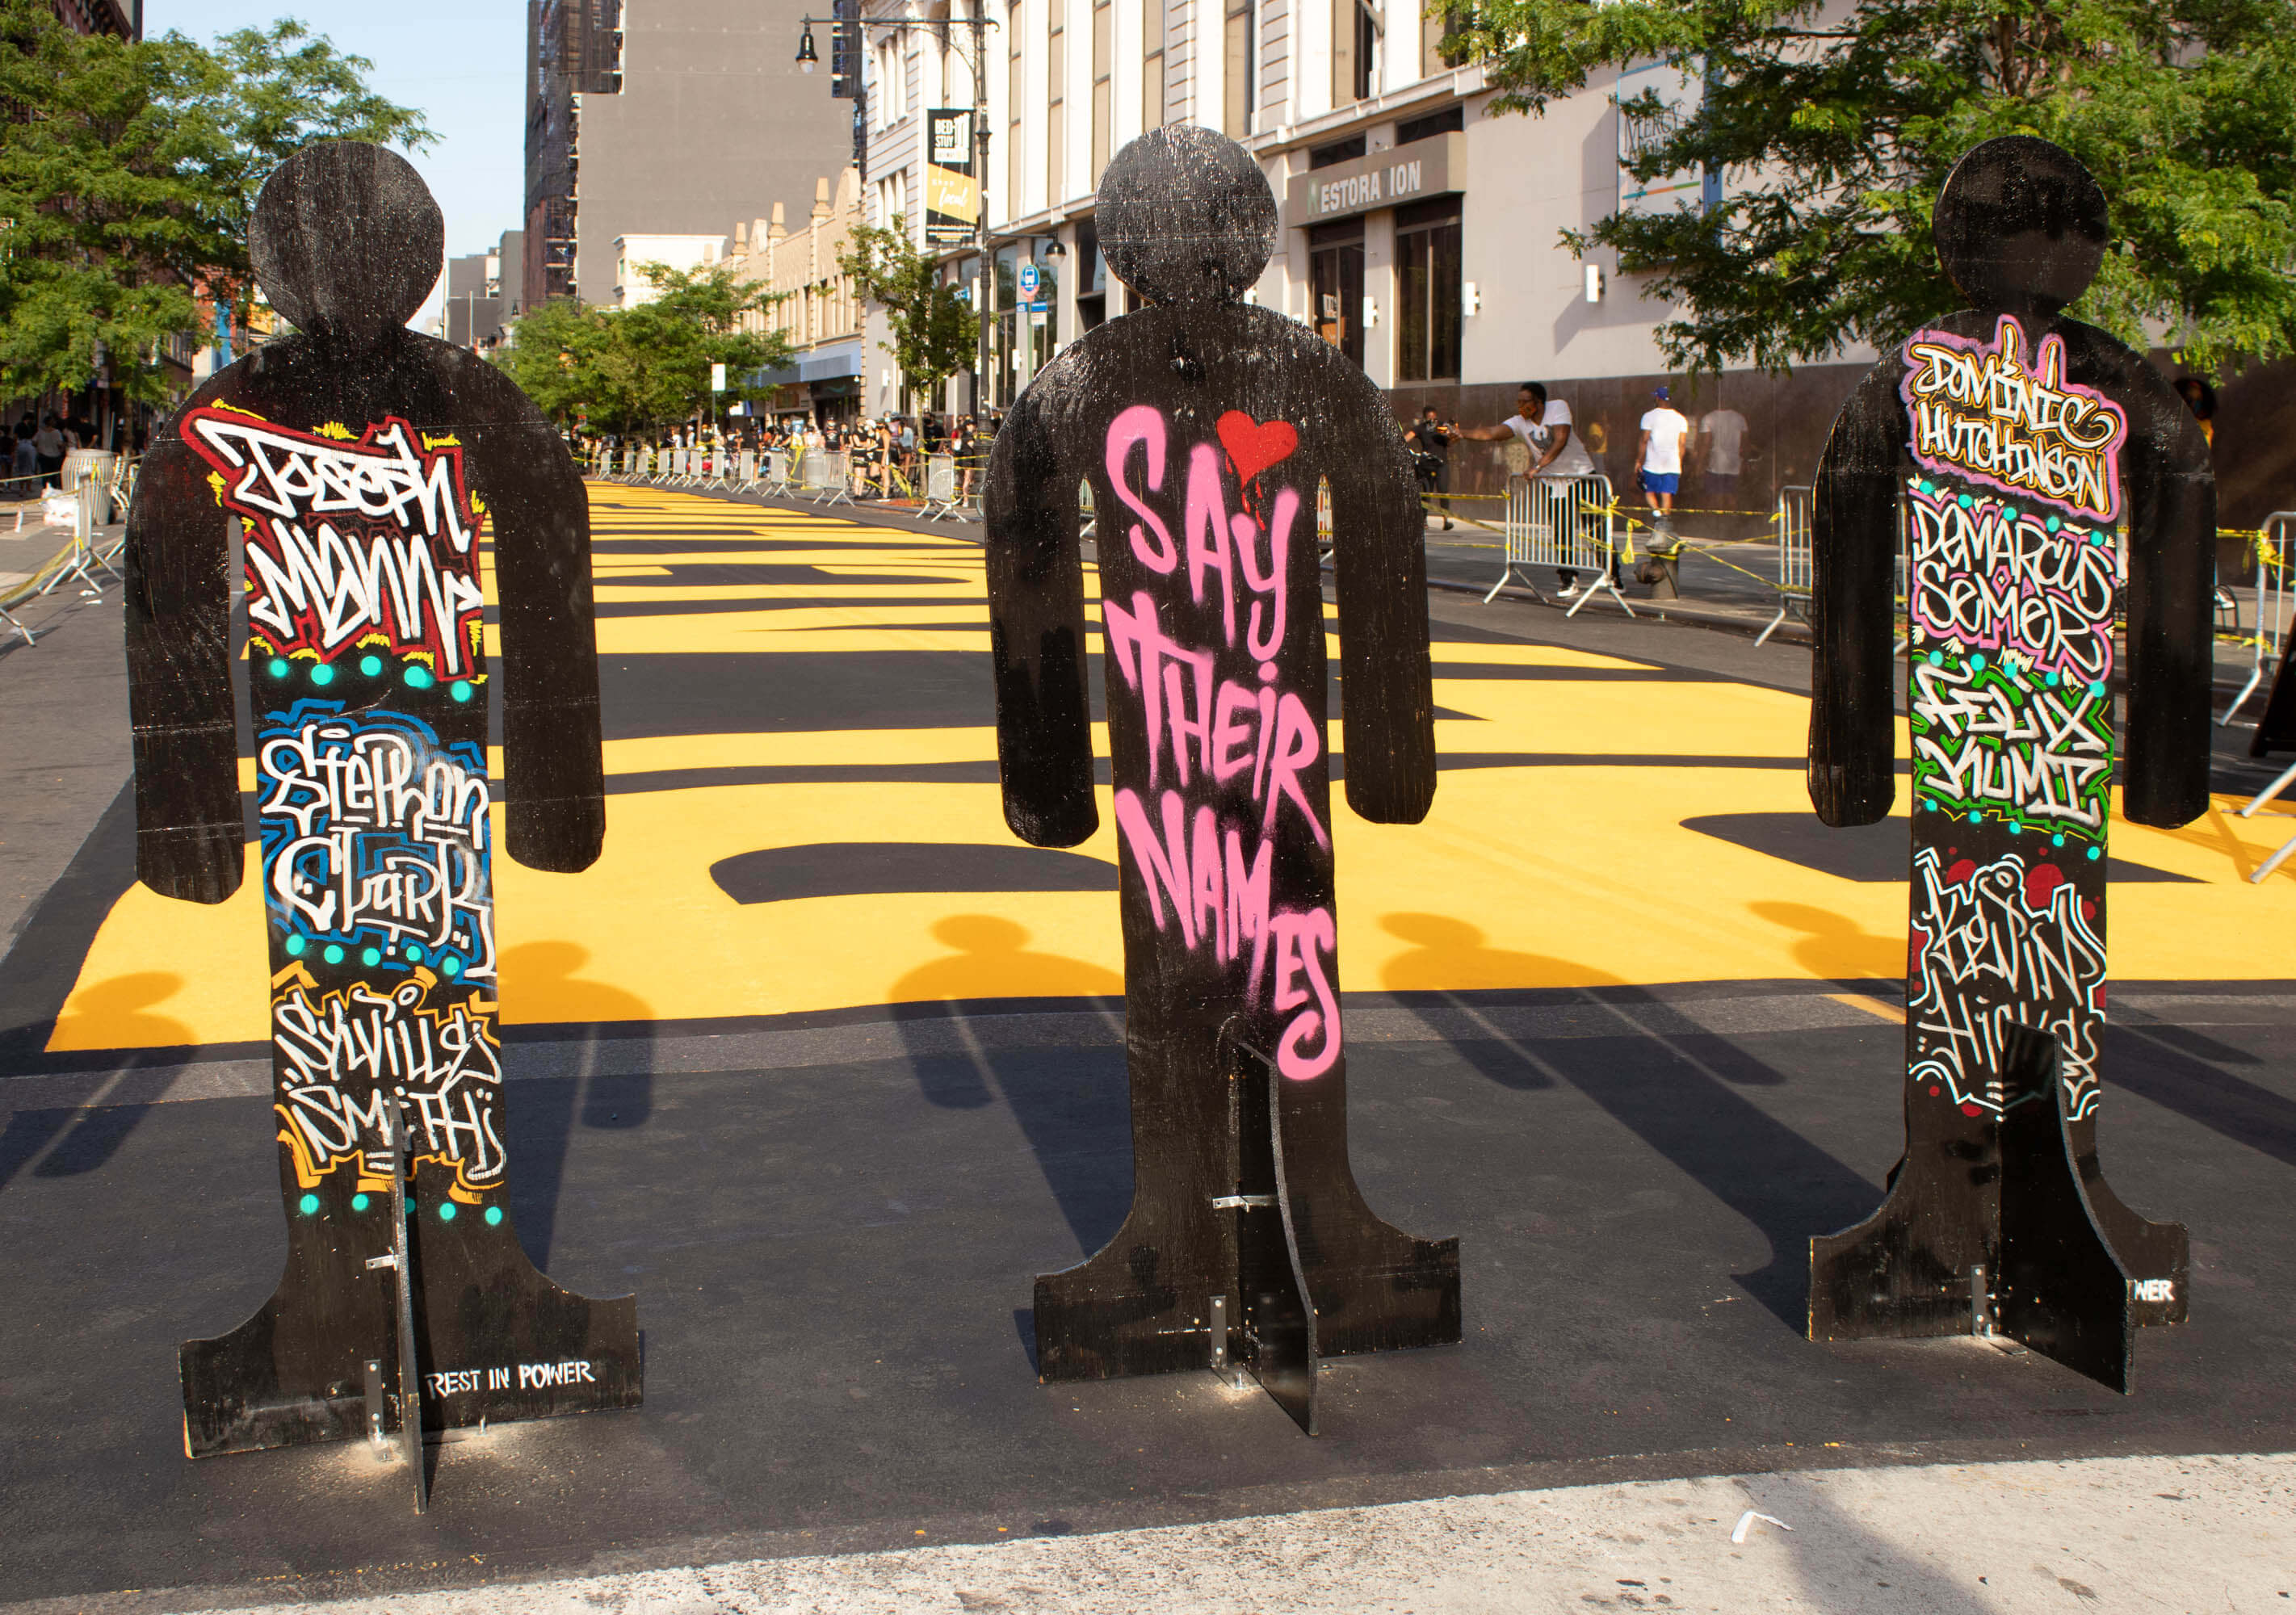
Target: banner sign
[(952, 191), (1680, 94)]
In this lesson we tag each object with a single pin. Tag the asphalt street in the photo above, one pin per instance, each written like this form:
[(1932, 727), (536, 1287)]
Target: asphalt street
[(825, 1067)]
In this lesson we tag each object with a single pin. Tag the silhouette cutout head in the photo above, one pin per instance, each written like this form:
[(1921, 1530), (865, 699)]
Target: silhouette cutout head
[(1186, 216), (347, 240), (2019, 225)]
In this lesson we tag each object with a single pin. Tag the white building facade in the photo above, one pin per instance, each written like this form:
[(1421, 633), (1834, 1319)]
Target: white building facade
[(1421, 232), (685, 253)]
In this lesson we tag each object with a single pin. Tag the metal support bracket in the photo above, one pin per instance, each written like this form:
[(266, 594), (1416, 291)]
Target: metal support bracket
[(1271, 1333), (410, 1373)]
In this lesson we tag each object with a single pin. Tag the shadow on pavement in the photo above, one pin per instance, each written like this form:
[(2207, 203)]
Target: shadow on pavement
[(1076, 1114), (1677, 1091), (2147, 1063), (543, 1111)]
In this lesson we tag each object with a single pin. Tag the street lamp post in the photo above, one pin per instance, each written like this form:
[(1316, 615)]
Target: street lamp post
[(978, 22)]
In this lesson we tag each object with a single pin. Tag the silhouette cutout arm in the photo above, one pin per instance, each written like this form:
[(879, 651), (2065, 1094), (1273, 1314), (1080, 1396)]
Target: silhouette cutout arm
[(2172, 524), (554, 773), (1379, 557), (189, 834), (1036, 629), (1854, 556)]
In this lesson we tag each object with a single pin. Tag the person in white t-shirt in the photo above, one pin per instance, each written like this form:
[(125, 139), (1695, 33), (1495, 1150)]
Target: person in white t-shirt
[(1543, 426), (1721, 444), (1658, 461)]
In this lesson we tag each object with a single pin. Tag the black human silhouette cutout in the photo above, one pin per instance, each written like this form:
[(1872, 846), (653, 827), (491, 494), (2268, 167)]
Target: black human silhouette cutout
[(1204, 426), (363, 465), (2031, 438)]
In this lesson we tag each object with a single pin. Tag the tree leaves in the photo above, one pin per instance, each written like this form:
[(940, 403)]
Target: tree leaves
[(1836, 128), (934, 334), (639, 370), (128, 170)]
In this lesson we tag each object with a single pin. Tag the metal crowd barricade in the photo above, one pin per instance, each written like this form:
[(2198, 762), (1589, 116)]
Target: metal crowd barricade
[(118, 497), (747, 475), (1566, 522), (2272, 603), (1796, 561), (780, 470), (941, 488), (85, 556), (829, 476)]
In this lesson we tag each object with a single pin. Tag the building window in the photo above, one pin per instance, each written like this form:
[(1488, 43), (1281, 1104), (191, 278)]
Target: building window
[(892, 93), (1104, 66), (1152, 73), (1004, 350), (1238, 78), (1335, 285), (1427, 257), (1092, 277), (1356, 34), (1045, 320), (1450, 120), (1437, 52), (1016, 81), (1338, 150), (1056, 111)]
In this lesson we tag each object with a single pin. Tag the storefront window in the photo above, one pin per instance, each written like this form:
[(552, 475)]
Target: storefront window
[(1005, 350), (1427, 255), (1092, 277), (1045, 323), (1335, 285)]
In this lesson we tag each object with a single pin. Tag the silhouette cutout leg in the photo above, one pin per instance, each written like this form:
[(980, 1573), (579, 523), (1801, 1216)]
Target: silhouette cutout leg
[(2063, 1292), (1252, 1183), (1278, 1318)]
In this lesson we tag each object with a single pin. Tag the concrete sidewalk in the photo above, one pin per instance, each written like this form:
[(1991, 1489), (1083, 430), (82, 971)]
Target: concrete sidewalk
[(2116, 1535)]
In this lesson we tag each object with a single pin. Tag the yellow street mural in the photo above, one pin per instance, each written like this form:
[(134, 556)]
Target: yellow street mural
[(1597, 822)]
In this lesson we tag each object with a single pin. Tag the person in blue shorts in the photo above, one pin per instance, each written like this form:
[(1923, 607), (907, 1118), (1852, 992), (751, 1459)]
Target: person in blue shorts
[(1657, 461)]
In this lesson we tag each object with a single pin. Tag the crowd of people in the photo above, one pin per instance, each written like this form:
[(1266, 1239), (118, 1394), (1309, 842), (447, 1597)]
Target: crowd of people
[(37, 450), (1555, 445), (887, 453)]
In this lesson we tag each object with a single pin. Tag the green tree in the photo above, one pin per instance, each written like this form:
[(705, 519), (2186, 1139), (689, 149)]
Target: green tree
[(1835, 130), (639, 370), (934, 334), (554, 356), (127, 172)]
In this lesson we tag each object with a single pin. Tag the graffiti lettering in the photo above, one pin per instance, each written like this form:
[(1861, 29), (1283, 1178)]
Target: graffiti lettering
[(1996, 739), (344, 1057), (327, 590), (1980, 412), (1230, 750), (530, 1376), (341, 537), (2006, 944), (1986, 577), (376, 839)]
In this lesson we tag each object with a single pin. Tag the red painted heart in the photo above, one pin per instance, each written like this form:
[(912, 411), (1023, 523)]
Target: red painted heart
[(1254, 447)]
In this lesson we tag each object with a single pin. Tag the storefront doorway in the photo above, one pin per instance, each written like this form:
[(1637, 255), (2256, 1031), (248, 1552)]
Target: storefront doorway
[(1335, 285)]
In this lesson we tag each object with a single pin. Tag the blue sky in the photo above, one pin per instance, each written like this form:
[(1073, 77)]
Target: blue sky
[(463, 63)]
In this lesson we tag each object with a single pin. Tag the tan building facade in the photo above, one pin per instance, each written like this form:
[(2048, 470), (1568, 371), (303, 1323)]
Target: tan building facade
[(817, 312)]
